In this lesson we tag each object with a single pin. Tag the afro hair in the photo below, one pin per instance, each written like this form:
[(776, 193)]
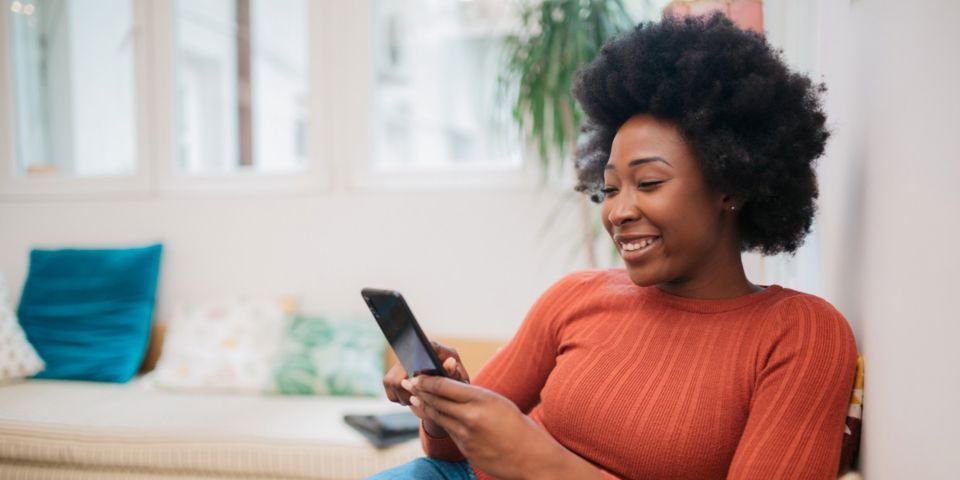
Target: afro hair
[(755, 127)]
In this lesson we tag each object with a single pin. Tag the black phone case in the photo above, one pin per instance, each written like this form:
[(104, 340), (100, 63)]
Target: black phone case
[(377, 293)]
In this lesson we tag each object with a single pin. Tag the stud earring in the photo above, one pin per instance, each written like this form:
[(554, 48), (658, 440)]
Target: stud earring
[(733, 207)]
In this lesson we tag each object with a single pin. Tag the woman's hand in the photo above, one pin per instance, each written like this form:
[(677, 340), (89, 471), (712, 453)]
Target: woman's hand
[(492, 432), (397, 394)]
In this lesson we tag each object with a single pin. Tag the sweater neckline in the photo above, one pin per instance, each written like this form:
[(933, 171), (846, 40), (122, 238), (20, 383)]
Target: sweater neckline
[(702, 305)]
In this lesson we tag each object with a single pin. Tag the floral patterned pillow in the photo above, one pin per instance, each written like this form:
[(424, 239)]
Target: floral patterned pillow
[(325, 356), (18, 359), (221, 345)]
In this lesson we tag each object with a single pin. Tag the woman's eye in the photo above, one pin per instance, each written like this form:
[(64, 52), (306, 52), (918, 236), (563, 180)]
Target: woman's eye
[(649, 184), (607, 191)]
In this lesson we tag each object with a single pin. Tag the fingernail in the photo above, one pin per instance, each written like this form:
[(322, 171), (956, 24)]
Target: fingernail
[(406, 385), (415, 401)]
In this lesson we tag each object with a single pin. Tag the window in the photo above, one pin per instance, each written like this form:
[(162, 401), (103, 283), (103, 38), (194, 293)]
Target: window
[(241, 85), (435, 86), (163, 96), (73, 84)]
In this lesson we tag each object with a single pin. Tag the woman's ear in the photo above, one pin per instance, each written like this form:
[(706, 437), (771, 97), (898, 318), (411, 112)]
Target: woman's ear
[(729, 203)]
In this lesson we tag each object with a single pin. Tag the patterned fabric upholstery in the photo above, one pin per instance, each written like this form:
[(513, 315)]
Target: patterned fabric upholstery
[(850, 452)]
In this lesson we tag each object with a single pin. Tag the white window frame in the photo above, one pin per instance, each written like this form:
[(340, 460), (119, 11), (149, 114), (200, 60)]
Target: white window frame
[(359, 129), (170, 180), (19, 186), (339, 135)]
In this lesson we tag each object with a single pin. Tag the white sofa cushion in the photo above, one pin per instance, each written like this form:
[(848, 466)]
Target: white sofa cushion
[(129, 428)]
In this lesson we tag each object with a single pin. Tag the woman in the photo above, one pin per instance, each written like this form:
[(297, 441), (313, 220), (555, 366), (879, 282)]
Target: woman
[(701, 145)]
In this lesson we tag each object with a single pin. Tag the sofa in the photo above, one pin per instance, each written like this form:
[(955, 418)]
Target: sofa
[(53, 429), (92, 386), (75, 429)]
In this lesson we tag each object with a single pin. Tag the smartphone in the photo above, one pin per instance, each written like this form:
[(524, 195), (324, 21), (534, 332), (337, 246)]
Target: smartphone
[(403, 333)]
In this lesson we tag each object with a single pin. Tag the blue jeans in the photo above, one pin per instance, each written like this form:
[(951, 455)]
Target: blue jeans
[(425, 468)]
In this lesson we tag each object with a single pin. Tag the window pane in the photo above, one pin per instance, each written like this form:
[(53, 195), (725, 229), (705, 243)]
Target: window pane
[(645, 10), (73, 83), (241, 72), (436, 65)]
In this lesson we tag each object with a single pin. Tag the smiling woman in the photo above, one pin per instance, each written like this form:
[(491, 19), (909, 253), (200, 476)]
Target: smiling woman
[(700, 145), (672, 228)]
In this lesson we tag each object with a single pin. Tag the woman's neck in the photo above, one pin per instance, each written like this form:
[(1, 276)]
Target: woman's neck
[(722, 278)]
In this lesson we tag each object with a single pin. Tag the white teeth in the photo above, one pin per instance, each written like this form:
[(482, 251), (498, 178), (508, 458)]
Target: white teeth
[(638, 245)]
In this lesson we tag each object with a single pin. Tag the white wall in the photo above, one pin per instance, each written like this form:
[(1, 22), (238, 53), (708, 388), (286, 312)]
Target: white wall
[(890, 234), (470, 263)]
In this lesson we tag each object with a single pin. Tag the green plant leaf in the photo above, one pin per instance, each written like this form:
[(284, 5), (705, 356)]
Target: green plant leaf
[(557, 37)]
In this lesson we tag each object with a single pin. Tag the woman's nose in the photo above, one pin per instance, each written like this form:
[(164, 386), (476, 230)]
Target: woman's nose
[(625, 209)]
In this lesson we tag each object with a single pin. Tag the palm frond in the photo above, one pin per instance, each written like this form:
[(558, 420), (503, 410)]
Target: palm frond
[(556, 38)]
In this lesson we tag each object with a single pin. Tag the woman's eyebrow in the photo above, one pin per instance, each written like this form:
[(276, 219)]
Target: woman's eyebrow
[(639, 161)]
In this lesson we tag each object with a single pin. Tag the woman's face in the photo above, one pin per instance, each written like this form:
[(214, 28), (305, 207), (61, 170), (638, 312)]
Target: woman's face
[(668, 224)]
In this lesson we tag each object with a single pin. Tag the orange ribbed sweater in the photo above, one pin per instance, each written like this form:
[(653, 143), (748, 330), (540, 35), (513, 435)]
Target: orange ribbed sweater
[(647, 385)]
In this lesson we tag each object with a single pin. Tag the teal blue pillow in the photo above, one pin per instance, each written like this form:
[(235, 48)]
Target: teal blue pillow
[(325, 356), (88, 312)]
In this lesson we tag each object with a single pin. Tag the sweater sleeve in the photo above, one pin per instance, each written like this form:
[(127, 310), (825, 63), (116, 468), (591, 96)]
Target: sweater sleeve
[(520, 369), (806, 362)]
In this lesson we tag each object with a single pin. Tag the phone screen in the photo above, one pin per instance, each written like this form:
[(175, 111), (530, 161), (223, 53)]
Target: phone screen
[(402, 332)]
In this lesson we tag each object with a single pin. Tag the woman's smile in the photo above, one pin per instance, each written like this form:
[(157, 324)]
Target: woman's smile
[(636, 248)]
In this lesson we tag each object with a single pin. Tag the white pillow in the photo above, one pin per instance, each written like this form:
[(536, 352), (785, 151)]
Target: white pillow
[(18, 359), (221, 345)]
